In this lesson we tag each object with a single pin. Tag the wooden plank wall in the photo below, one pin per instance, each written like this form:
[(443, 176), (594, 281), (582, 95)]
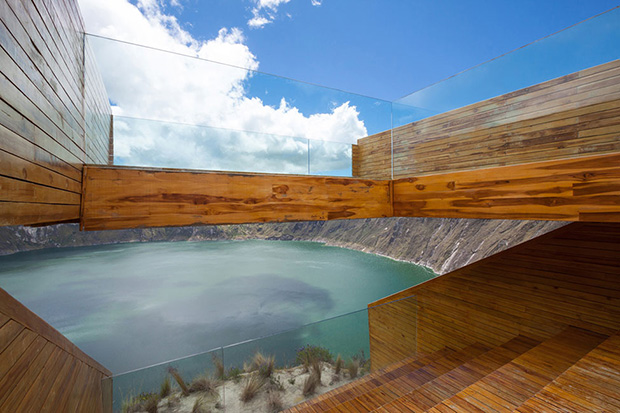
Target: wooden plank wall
[(43, 126), (571, 116), (570, 276), (372, 158), (124, 197), (576, 189), (42, 371)]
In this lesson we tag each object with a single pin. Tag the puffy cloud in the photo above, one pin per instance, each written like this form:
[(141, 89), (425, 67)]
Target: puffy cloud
[(237, 129), (316, 2)]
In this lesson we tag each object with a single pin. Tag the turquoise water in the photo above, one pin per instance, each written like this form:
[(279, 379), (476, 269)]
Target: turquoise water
[(134, 305)]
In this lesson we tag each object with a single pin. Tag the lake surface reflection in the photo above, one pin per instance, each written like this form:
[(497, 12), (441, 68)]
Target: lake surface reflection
[(133, 305)]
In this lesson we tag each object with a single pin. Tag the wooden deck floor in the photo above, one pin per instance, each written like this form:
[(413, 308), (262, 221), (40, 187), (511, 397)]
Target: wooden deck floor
[(576, 370)]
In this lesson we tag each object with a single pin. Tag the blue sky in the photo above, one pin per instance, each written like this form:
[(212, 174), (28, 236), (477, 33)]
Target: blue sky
[(385, 49), (249, 121)]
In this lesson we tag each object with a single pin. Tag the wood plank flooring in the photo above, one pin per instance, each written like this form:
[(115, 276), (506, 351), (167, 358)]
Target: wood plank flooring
[(575, 370)]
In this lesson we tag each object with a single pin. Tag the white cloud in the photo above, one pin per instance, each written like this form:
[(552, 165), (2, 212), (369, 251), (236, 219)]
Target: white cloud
[(264, 12), (243, 133), (316, 2), (258, 21)]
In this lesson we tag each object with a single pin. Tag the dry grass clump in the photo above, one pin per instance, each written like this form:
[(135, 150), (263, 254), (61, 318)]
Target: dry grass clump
[(311, 383), (316, 368), (177, 377), (143, 402), (199, 406), (253, 383), (202, 383), (150, 405), (220, 372), (274, 401), (264, 365), (338, 364), (165, 388), (353, 367)]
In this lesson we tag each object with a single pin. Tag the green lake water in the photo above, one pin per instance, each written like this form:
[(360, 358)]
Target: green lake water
[(134, 305)]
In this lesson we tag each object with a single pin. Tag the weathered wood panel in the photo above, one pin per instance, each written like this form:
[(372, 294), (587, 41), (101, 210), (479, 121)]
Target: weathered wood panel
[(569, 190), (54, 113), (36, 363), (569, 277), (117, 197), (572, 116), (373, 158)]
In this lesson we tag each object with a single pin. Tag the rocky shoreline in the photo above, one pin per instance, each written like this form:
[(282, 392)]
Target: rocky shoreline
[(440, 244)]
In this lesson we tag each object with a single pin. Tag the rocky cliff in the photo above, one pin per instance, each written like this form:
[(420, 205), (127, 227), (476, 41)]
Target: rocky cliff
[(440, 244)]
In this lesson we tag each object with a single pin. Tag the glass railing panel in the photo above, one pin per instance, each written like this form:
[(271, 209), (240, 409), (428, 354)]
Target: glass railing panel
[(174, 384), (202, 147), (589, 43), (251, 121), (281, 370), (330, 158), (394, 333)]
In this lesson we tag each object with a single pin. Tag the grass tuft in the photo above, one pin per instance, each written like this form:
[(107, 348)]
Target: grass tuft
[(202, 383), (311, 383), (253, 383), (353, 368), (308, 353), (264, 365), (150, 405), (316, 368), (199, 406), (338, 364), (220, 373), (165, 388), (234, 374), (177, 377), (274, 401)]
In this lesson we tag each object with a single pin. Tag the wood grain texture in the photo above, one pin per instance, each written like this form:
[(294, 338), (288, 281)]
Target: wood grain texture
[(54, 112), (589, 385), (569, 277), (117, 197), (36, 362), (574, 370), (585, 189), (569, 117)]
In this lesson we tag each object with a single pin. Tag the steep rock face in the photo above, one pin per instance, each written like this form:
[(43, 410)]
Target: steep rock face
[(440, 244)]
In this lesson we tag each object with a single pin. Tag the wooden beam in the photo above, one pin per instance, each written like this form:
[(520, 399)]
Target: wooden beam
[(582, 189), (122, 197)]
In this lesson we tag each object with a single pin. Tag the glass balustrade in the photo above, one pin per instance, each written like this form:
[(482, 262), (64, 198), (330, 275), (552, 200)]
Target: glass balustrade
[(266, 373), (590, 43), (176, 110)]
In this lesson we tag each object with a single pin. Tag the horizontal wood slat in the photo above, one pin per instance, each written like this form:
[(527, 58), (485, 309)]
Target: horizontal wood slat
[(569, 277), (553, 190), (569, 117), (54, 111), (117, 197)]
